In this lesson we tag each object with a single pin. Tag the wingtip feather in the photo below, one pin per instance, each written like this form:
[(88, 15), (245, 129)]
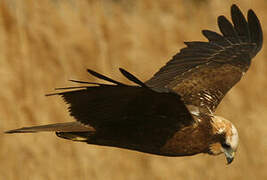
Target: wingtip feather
[(255, 29), (103, 77), (131, 77), (234, 7), (226, 27)]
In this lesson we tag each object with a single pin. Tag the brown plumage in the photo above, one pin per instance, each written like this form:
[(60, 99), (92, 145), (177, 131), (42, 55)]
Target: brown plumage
[(172, 113)]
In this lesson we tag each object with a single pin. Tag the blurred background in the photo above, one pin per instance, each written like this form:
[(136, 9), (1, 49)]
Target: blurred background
[(45, 43)]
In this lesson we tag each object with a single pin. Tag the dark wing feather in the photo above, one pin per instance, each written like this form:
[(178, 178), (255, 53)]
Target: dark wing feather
[(227, 29), (105, 78), (240, 23), (132, 77), (203, 72), (255, 31)]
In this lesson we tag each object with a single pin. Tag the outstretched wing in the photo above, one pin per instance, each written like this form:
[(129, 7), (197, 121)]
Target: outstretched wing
[(203, 72), (120, 105)]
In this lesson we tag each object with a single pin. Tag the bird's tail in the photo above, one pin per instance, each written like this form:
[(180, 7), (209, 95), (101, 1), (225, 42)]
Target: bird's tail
[(59, 127)]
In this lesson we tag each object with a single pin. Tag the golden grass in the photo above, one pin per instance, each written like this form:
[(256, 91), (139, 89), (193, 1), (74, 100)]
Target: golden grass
[(45, 43)]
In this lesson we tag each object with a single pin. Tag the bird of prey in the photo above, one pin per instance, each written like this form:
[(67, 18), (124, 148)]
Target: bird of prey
[(171, 114)]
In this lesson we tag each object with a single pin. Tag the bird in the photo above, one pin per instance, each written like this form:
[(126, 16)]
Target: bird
[(173, 113)]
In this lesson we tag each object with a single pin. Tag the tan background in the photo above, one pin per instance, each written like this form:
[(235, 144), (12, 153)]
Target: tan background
[(45, 43)]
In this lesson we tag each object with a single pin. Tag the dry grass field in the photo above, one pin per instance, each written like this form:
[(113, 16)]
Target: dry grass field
[(45, 43)]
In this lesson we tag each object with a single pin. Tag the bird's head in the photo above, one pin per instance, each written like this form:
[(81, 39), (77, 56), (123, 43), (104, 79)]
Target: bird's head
[(227, 141)]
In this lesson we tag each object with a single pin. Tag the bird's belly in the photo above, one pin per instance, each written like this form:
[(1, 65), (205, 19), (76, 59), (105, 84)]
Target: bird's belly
[(181, 143), (186, 143)]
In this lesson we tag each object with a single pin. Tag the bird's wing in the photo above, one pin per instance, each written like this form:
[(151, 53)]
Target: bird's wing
[(121, 105), (203, 72)]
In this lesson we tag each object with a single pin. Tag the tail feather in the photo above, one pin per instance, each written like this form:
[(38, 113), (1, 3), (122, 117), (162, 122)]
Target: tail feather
[(59, 127)]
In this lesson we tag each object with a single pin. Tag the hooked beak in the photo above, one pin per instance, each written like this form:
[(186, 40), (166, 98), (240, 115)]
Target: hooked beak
[(229, 154)]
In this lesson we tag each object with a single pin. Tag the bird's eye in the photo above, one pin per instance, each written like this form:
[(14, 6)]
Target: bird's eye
[(226, 146)]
